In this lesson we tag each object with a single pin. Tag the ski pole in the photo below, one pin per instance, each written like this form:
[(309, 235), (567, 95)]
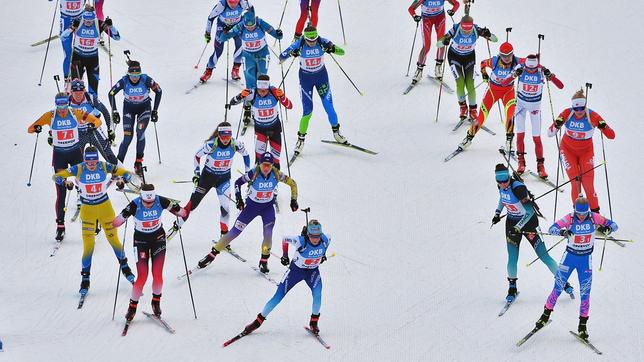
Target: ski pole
[(33, 158), (200, 56), (109, 58), (346, 75), (185, 265), (576, 178), (156, 135), (550, 248), (507, 34), (286, 74), (413, 44), (239, 123), (342, 23), (440, 89), (56, 79), (610, 208), (500, 217), (306, 213), (227, 76), (282, 70), (541, 37), (601, 263), (118, 275), (281, 19), (288, 166), (51, 29)]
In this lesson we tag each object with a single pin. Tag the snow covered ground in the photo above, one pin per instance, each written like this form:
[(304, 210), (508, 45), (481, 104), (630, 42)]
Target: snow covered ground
[(419, 274)]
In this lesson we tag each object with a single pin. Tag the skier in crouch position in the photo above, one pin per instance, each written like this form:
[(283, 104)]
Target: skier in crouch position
[(262, 182), (432, 15), (579, 227), (149, 241), (311, 49), (311, 249), (577, 151), (522, 221)]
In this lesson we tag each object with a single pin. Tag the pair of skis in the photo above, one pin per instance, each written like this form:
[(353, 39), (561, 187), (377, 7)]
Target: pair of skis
[(577, 337), (311, 332), (345, 145), (434, 79), (513, 155), (162, 322), (199, 83)]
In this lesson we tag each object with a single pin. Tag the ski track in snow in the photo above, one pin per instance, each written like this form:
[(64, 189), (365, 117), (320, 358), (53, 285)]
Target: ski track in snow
[(418, 275)]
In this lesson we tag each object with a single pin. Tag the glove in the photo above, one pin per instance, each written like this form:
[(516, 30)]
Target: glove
[(485, 32), (127, 177), (59, 180), (446, 40), (227, 27), (75, 24), (240, 202), (295, 53), (279, 33), (547, 72), (294, 205), (91, 127), (565, 232), (486, 78), (330, 49), (227, 105), (244, 93), (50, 139), (285, 260), (207, 37), (37, 128), (606, 230), (108, 22), (111, 136), (323, 259), (558, 123), (450, 12), (417, 18), (69, 185), (116, 118), (154, 117), (496, 219), (601, 125), (195, 179), (518, 72), (278, 93)]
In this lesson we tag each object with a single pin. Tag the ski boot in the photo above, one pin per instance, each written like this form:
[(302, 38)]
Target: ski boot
[(263, 263), (569, 289), (255, 324), (234, 73), (127, 272), (84, 287), (339, 138), (313, 323), (581, 329), (156, 304), (521, 161), (138, 167), (419, 73), (438, 69), (247, 115), (473, 113), (544, 318), (131, 310), (467, 141), (463, 109), (60, 230), (299, 146), (206, 260), (206, 75), (512, 290), (541, 169)]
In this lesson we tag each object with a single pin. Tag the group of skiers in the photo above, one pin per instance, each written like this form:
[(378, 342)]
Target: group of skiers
[(575, 148), (77, 139)]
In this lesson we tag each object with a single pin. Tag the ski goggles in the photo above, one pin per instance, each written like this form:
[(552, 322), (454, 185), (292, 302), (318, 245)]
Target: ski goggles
[(263, 84), (62, 102), (582, 209), (311, 35), (148, 195), (502, 176)]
